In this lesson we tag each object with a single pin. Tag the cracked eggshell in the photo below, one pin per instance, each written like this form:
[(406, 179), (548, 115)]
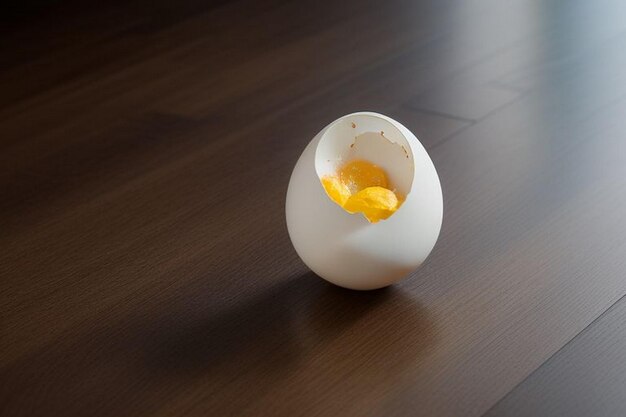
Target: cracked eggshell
[(344, 248)]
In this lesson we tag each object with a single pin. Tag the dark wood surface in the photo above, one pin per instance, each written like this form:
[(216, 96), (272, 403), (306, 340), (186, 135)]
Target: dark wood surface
[(146, 149), (586, 378)]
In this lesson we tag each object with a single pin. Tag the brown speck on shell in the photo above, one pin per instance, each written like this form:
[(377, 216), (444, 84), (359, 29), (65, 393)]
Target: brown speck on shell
[(353, 125), (352, 145)]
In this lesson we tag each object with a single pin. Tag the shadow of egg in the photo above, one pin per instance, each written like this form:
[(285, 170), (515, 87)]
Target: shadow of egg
[(365, 338)]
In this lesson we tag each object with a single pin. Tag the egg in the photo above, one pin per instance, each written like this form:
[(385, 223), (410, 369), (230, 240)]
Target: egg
[(364, 205)]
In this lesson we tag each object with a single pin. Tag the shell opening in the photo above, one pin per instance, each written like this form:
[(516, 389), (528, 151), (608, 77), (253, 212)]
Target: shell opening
[(365, 165)]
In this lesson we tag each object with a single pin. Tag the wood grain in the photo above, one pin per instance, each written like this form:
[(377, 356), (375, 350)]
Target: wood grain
[(145, 267), (585, 378)]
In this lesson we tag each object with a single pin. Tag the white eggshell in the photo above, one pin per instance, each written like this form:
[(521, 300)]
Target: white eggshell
[(344, 248)]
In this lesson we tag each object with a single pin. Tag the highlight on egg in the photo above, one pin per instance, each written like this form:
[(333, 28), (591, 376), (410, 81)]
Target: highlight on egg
[(364, 205)]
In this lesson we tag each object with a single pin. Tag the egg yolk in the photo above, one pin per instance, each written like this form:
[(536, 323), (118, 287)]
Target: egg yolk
[(362, 187)]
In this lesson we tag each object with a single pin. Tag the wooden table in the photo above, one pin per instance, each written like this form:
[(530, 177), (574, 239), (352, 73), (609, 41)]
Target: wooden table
[(145, 266)]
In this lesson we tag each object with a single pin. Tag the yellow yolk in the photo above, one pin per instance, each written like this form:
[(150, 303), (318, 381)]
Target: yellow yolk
[(357, 175), (362, 187), (336, 190), (376, 203)]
